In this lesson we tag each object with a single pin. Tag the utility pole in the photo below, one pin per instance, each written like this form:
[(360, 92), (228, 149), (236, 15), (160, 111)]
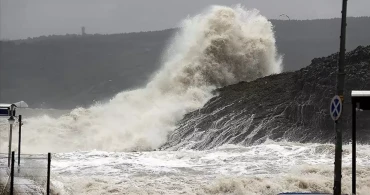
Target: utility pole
[(340, 93)]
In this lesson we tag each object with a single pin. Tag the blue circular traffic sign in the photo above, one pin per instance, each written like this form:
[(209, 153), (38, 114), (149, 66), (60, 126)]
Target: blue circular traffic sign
[(336, 107)]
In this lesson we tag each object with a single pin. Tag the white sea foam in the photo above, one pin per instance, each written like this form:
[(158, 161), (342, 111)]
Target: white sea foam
[(218, 47), (266, 169)]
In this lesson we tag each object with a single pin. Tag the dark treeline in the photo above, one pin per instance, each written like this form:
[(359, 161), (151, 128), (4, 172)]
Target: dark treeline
[(65, 71)]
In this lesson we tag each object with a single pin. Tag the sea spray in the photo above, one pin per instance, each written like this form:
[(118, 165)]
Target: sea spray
[(218, 47)]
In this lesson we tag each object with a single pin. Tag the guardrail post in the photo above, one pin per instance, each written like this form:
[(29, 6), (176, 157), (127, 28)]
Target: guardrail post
[(10, 144), (12, 175), (354, 107), (19, 138), (48, 177)]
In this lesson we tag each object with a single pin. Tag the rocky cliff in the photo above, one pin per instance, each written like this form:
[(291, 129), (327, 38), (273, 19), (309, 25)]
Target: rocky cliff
[(292, 106)]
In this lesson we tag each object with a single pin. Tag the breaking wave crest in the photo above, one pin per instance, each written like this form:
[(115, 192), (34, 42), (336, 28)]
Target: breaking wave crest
[(218, 47)]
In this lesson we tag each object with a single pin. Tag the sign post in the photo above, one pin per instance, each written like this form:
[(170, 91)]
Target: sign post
[(340, 92), (336, 108), (9, 110)]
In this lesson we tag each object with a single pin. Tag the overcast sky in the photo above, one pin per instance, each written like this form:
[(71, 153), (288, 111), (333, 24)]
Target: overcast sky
[(30, 18)]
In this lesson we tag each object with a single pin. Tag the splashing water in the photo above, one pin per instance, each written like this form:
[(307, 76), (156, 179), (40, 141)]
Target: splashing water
[(218, 47), (265, 169)]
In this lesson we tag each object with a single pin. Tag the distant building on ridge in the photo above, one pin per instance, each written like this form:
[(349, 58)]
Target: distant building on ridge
[(83, 31)]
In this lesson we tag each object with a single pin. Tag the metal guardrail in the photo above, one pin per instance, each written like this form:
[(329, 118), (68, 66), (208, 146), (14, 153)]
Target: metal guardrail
[(28, 175)]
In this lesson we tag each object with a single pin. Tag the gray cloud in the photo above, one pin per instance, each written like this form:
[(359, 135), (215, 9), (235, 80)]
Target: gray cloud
[(30, 18)]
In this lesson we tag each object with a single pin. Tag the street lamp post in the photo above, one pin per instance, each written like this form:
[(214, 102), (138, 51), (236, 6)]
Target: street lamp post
[(11, 121)]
